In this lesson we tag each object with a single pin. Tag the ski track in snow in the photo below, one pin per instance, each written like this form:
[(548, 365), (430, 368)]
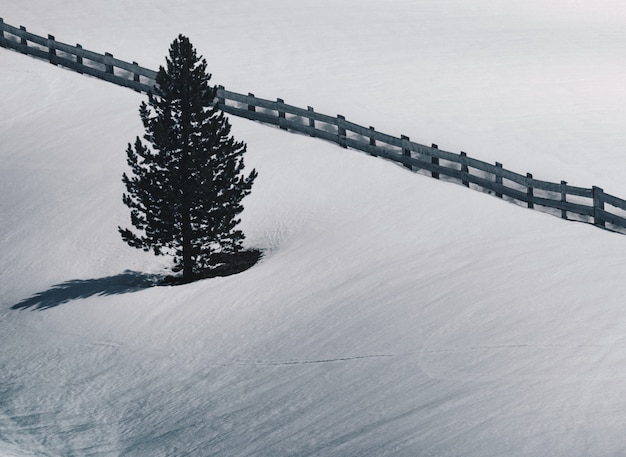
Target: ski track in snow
[(305, 362)]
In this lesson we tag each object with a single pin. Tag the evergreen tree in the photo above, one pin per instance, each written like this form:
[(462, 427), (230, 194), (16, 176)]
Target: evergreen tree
[(185, 191)]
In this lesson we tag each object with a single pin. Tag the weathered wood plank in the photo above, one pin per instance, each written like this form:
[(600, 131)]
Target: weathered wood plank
[(294, 110), (312, 131), (300, 128), (369, 148), (577, 208), (495, 187), (25, 49), (405, 151), (273, 105), (615, 201), (329, 136), (598, 206), (614, 219), (482, 166), (251, 115), (373, 134), (529, 191), (434, 152), (245, 99), (360, 130), (25, 35)]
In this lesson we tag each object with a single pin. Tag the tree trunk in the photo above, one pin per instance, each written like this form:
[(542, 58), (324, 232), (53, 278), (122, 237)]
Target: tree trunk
[(186, 214), (187, 257)]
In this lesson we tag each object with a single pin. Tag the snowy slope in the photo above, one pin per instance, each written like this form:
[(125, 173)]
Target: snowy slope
[(392, 314)]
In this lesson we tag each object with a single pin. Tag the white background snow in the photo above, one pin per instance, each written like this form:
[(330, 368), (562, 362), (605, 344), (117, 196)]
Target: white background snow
[(392, 314)]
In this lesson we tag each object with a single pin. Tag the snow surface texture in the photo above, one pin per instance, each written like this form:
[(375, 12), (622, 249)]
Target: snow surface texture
[(392, 314)]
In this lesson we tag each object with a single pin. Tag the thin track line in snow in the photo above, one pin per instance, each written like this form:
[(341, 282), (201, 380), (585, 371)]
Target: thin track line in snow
[(509, 346), (304, 362), (372, 356)]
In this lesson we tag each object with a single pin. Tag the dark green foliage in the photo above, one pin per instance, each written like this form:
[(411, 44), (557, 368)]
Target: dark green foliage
[(185, 191)]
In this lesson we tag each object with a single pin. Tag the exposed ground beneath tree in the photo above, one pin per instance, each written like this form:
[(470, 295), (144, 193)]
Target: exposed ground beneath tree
[(229, 264)]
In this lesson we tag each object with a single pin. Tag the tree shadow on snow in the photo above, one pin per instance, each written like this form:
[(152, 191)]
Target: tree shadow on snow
[(133, 281), (129, 281)]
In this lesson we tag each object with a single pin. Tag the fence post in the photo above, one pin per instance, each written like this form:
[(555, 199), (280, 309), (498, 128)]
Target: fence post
[(23, 40), (372, 139), (136, 77), (498, 178), (79, 58), (108, 62), (563, 198), (435, 161), (598, 206), (341, 131), (251, 107), (406, 152), (2, 32), (529, 192), (281, 113), (220, 96), (52, 52), (135, 71), (311, 120), (464, 168)]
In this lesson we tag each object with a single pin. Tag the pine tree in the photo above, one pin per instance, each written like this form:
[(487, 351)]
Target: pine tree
[(185, 191)]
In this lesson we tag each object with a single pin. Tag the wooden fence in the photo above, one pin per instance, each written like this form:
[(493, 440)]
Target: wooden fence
[(569, 202), (590, 205), (76, 58)]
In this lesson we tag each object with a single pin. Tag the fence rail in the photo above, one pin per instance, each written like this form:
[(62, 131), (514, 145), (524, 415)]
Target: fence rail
[(569, 202)]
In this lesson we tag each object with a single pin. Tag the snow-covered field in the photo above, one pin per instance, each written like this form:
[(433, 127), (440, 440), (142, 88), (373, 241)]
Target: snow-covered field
[(392, 314)]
